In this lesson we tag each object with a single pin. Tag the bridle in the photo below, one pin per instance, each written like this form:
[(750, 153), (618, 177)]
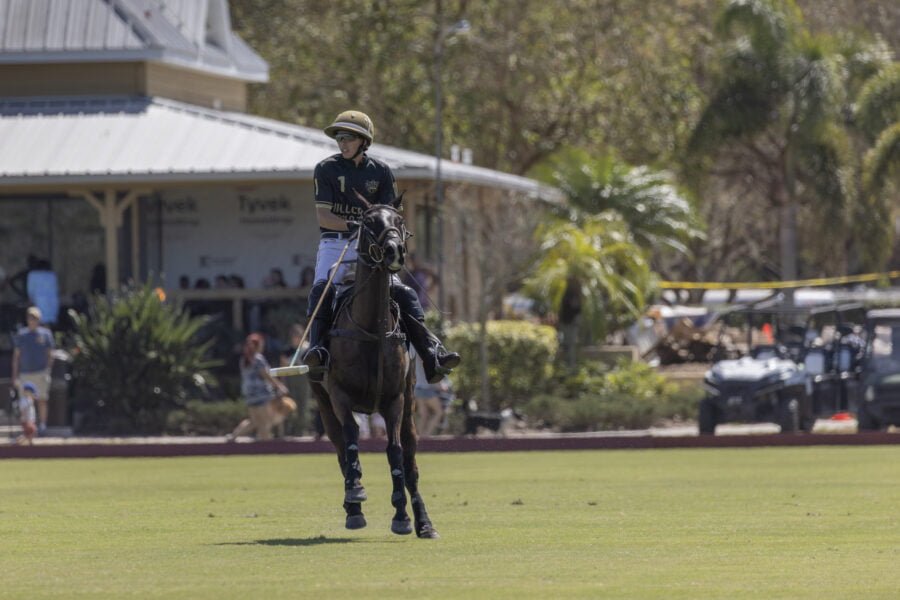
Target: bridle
[(371, 245)]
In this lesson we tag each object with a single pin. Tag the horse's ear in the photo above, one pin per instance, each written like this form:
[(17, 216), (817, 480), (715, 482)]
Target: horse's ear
[(362, 199), (398, 201)]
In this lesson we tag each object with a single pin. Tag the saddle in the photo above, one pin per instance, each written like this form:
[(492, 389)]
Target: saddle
[(342, 299)]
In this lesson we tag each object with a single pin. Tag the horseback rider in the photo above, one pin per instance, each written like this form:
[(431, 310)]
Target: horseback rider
[(339, 180)]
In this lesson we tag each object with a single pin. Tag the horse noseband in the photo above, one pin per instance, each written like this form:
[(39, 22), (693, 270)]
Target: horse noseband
[(375, 253)]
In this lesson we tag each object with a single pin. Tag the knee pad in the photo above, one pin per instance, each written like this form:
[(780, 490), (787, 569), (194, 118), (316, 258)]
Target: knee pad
[(315, 293), (408, 301)]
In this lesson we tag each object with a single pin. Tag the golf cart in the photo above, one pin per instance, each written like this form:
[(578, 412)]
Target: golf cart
[(788, 371), (879, 404)]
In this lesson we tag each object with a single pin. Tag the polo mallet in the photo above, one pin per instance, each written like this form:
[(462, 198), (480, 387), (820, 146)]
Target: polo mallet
[(293, 368)]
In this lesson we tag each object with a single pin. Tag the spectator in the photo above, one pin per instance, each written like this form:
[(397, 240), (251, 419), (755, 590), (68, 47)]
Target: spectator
[(43, 290), (25, 405), (202, 284), (184, 282), (236, 281), (98, 279), (430, 406), (258, 387), (31, 362), (421, 279), (307, 277), (222, 282), (275, 279)]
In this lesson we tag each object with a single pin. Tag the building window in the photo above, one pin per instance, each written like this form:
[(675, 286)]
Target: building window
[(426, 230)]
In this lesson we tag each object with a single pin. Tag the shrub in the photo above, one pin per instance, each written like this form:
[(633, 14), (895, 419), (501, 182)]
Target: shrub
[(206, 418), (520, 360), (630, 396), (135, 359)]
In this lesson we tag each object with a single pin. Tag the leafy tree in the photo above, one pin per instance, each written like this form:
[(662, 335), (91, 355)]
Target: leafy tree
[(591, 274), (517, 85), (878, 113), (659, 216), (774, 116)]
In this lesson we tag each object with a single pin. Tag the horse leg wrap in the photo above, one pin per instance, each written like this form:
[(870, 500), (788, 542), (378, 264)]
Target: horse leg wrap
[(400, 524), (395, 460), (353, 489)]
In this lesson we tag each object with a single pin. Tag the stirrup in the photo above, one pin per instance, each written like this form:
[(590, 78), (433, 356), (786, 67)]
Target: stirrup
[(445, 359), (317, 359), (437, 367)]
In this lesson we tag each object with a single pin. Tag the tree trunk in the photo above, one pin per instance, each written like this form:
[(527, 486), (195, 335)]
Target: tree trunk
[(788, 224), (788, 237)]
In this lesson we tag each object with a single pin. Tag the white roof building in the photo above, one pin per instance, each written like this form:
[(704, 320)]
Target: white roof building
[(131, 108)]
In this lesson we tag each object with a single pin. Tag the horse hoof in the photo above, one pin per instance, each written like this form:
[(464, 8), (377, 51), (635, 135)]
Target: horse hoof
[(355, 495), (428, 532), (401, 527), (356, 522)]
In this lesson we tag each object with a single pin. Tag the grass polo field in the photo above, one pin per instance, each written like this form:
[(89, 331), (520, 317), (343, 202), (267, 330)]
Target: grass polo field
[(816, 522)]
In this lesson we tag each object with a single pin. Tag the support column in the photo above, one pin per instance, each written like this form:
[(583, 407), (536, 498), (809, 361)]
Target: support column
[(111, 209)]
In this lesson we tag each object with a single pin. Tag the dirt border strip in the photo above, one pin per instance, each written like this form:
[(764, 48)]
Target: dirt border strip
[(166, 449)]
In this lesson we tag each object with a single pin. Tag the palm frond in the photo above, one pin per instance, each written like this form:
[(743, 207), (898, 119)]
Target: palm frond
[(882, 162), (878, 104)]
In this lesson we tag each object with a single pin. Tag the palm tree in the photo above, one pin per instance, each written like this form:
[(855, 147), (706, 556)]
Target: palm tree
[(878, 115), (658, 215), (774, 116), (591, 274)]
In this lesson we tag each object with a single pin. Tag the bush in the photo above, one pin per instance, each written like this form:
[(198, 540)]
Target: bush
[(135, 359), (630, 396), (520, 361), (206, 418)]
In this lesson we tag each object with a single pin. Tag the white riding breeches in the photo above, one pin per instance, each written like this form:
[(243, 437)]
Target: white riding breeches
[(329, 251)]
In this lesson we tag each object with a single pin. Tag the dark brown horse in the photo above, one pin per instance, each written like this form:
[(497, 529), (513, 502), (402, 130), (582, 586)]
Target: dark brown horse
[(371, 371)]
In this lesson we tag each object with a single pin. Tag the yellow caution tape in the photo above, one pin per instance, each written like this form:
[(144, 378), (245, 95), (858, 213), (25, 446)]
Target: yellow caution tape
[(776, 285)]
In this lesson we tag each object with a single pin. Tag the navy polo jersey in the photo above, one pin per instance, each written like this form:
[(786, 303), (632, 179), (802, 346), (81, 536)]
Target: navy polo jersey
[(337, 180)]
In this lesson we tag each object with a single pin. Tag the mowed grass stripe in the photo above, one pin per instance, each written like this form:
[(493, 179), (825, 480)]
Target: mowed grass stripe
[(816, 522)]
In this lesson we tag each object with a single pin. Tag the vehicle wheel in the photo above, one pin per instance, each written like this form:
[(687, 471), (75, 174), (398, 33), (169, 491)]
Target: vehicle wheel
[(788, 415), (865, 421), (707, 417), (808, 420), (807, 424)]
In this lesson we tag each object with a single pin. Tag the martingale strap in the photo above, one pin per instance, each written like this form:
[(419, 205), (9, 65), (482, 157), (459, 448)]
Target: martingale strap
[(397, 337)]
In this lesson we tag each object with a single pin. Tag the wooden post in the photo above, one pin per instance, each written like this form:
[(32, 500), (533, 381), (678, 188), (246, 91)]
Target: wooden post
[(111, 210)]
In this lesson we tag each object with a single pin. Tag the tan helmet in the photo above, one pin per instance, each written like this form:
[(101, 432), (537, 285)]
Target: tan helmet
[(354, 122)]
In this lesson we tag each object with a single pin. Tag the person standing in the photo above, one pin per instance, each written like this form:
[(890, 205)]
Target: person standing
[(429, 404), (257, 386), (345, 184), (31, 361)]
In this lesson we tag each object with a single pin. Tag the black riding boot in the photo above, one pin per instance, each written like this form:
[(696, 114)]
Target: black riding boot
[(317, 358), (437, 361)]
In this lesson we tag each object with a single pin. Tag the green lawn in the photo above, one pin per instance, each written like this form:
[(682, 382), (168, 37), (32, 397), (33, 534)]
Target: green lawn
[(728, 523)]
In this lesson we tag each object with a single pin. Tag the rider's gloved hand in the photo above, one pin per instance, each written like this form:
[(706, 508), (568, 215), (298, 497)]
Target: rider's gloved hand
[(352, 226)]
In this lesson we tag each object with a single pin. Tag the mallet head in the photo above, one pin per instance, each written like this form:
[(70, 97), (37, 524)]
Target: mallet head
[(289, 371)]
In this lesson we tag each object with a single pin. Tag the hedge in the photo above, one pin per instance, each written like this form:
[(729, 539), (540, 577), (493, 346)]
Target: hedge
[(520, 361)]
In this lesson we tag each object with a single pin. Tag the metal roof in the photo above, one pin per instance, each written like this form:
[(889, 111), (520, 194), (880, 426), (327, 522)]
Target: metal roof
[(194, 34), (135, 140)]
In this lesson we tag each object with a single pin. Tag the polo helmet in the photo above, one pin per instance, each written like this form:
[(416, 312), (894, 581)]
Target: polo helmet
[(354, 122)]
